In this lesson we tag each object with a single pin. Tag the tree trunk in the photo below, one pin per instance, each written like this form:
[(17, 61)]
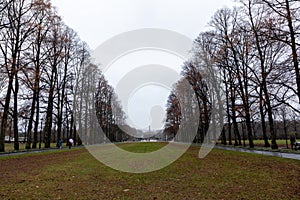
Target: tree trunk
[(36, 123), (293, 46), (5, 113), (262, 117), (61, 103), (285, 130), (237, 136), (29, 131), (270, 117), (228, 111), (15, 113), (49, 117)]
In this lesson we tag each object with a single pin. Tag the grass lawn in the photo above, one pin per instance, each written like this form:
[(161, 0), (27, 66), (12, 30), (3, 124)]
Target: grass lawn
[(75, 174), (10, 146), (260, 143)]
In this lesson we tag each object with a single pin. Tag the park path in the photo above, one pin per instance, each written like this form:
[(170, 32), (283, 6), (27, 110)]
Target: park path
[(261, 152)]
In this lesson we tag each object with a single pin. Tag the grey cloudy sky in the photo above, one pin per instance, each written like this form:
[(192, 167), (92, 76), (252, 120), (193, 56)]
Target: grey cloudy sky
[(96, 21)]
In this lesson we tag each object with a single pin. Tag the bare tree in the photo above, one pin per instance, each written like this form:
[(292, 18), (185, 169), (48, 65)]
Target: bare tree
[(14, 37), (55, 49), (287, 12), (37, 56)]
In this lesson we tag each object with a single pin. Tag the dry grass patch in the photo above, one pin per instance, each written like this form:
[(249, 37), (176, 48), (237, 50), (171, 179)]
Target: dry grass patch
[(75, 174)]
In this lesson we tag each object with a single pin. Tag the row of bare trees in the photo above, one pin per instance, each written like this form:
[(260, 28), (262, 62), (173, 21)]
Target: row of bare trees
[(109, 113), (254, 49), (42, 62)]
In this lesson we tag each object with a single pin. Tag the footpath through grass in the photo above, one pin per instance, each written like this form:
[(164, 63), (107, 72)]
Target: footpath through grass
[(75, 174)]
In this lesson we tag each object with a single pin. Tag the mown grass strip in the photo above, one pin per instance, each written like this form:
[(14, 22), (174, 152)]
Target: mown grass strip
[(222, 174)]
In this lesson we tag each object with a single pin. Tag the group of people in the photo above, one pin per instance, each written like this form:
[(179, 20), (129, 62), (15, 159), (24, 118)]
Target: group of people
[(69, 143)]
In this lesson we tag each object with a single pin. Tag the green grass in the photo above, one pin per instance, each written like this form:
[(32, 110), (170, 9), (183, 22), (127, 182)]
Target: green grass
[(9, 147), (75, 174), (281, 143), (142, 147)]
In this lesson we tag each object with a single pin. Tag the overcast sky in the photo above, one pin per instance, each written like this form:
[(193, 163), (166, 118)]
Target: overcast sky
[(98, 20)]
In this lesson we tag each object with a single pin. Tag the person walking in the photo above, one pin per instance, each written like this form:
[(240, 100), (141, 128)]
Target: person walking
[(71, 141), (60, 143), (293, 140)]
